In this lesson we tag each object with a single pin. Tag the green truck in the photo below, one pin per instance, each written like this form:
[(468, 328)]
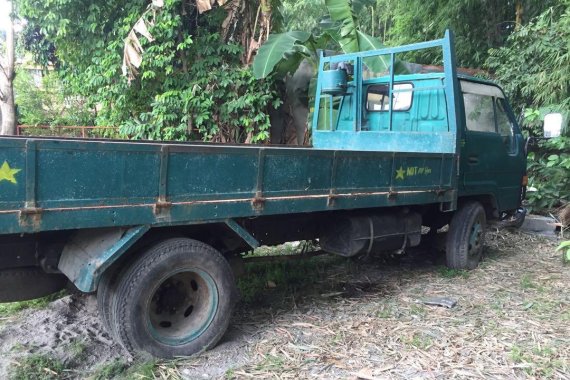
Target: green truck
[(152, 227)]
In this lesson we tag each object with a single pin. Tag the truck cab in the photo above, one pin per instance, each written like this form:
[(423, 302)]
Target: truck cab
[(493, 160), (466, 120)]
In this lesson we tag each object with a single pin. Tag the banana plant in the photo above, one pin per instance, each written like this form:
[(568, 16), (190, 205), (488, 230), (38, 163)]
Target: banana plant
[(282, 53)]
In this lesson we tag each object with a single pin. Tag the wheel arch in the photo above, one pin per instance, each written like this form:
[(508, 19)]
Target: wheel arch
[(488, 201), (89, 253)]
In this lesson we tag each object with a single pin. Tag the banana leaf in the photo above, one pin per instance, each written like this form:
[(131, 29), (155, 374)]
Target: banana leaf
[(277, 48)]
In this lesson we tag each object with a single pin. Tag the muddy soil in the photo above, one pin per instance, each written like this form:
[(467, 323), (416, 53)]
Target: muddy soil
[(65, 326), (359, 320)]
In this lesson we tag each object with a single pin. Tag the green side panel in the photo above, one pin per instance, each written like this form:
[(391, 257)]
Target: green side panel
[(288, 173), (363, 171), (211, 174), (12, 194), (73, 184), (106, 175)]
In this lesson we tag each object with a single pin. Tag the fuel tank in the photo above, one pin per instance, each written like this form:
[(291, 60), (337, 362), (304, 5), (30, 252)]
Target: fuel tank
[(354, 235)]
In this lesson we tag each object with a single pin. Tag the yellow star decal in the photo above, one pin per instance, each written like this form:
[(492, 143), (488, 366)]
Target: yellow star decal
[(7, 173), (400, 173)]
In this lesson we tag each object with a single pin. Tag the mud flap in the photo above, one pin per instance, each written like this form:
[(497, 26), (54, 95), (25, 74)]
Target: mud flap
[(91, 251)]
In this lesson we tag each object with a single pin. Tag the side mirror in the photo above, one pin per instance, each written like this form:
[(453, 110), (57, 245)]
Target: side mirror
[(552, 125)]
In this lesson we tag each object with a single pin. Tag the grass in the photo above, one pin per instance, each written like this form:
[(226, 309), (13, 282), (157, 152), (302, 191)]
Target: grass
[(77, 351), (419, 341), (418, 310), (527, 282), (37, 366), (143, 370), (385, 312), (121, 370), (111, 370), (230, 374), (262, 279), (539, 361), (271, 363), (516, 354), (446, 272)]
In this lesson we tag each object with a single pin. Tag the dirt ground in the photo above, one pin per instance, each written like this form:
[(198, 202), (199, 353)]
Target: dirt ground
[(352, 320)]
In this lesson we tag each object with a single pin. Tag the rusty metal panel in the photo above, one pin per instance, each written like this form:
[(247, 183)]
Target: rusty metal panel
[(74, 184)]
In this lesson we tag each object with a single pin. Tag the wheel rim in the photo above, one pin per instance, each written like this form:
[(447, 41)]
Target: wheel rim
[(182, 306), (475, 239)]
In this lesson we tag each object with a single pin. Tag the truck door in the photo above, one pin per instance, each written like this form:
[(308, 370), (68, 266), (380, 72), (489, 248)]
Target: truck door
[(492, 157)]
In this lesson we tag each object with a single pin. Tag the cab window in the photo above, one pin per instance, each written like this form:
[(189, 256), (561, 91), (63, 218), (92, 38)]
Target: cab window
[(377, 97), (479, 112), (504, 124)]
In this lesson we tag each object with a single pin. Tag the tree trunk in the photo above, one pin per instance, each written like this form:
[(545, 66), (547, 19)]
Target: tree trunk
[(519, 10), (7, 107), (264, 22)]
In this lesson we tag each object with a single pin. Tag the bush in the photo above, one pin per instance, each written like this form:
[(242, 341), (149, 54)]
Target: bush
[(48, 102), (533, 69), (549, 174), (220, 101)]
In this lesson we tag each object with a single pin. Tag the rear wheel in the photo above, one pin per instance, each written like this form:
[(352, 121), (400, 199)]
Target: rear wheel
[(176, 299), (466, 236), (105, 298)]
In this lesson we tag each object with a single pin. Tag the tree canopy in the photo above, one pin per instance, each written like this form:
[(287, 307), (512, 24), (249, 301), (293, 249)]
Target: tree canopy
[(195, 81), (192, 82)]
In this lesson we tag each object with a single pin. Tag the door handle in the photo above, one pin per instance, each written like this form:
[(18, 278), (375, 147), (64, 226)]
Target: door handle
[(473, 160)]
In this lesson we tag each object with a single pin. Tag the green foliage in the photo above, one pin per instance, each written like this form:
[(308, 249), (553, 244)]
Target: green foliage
[(303, 15), (221, 100), (549, 174), (533, 69), (37, 366), (282, 53), (278, 47), (191, 85), (48, 102), (31, 39), (446, 272), (342, 12), (533, 65), (111, 370), (565, 248), (352, 39), (478, 25), (141, 370)]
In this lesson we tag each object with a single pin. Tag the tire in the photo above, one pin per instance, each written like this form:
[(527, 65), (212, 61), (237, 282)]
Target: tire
[(176, 299), (105, 298), (21, 284), (466, 237)]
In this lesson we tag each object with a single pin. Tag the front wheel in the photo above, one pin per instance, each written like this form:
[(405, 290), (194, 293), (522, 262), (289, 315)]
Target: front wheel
[(466, 236), (176, 299)]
